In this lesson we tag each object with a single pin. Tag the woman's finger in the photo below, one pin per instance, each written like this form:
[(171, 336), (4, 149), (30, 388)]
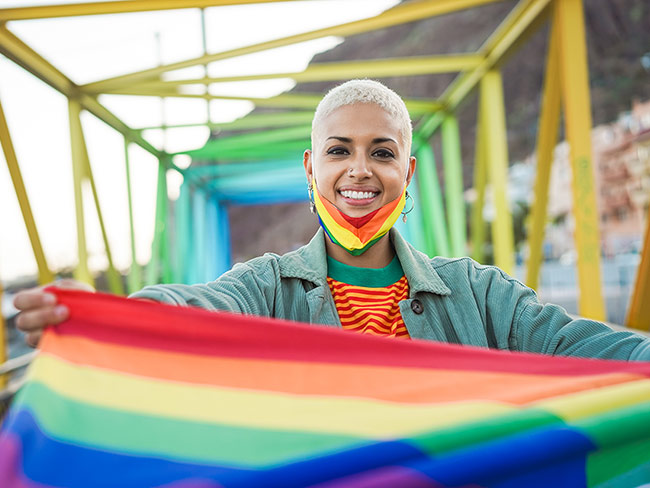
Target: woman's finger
[(33, 338), (36, 298), (37, 319)]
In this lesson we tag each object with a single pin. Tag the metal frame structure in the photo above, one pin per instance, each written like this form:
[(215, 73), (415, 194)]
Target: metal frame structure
[(435, 227)]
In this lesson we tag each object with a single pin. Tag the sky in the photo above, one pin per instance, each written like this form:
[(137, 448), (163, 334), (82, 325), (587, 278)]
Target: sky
[(92, 48)]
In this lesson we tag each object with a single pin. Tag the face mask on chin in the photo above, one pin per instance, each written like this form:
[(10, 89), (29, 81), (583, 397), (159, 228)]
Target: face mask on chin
[(357, 234)]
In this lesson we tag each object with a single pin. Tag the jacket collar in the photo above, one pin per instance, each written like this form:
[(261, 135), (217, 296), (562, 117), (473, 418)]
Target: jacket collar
[(310, 263)]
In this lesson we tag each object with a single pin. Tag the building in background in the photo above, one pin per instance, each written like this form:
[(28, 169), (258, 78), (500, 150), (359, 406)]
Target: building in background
[(621, 152)]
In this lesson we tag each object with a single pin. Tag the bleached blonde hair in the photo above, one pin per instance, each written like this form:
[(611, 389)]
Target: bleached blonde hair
[(365, 91)]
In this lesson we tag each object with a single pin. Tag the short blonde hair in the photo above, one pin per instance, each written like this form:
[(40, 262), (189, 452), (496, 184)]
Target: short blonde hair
[(365, 91)]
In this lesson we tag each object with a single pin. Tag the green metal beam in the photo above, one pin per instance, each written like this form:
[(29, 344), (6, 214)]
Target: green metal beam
[(453, 168), (433, 215), (275, 151), (269, 137)]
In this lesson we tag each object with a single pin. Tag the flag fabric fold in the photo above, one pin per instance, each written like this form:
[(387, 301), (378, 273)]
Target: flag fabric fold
[(135, 394)]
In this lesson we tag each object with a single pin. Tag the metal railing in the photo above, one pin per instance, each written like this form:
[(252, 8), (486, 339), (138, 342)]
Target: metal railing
[(9, 367)]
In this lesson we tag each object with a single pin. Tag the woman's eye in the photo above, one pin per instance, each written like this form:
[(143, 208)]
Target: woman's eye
[(337, 151), (384, 154)]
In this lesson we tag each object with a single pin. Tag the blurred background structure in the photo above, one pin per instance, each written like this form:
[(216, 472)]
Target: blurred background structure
[(502, 93)]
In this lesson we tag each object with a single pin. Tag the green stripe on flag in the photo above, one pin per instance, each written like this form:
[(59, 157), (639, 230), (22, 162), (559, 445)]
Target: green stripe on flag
[(194, 442)]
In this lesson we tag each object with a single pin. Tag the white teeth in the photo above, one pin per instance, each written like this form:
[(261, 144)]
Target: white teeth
[(357, 195)]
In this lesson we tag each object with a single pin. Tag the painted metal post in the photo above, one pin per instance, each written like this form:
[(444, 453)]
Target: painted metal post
[(638, 314), (4, 345), (165, 243), (549, 121), (412, 229), (155, 271), (113, 276), (453, 168), (414, 220), (198, 234), (81, 151), (494, 122), (44, 273), (182, 220), (81, 271), (209, 265), (405, 230), (223, 250), (435, 226), (134, 278), (574, 77), (478, 230)]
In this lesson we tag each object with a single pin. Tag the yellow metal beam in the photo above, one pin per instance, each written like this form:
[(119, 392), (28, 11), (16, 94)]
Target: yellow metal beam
[(401, 14), (577, 115), (477, 235), (44, 273), (113, 276), (638, 314), (20, 53), (82, 172), (497, 47), (291, 100), (81, 272), (522, 20), (117, 7), (375, 68), (549, 121), (493, 122)]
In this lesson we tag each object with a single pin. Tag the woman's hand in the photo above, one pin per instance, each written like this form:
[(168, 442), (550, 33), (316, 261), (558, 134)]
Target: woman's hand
[(39, 309)]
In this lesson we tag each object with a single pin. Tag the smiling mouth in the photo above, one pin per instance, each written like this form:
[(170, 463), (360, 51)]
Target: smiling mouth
[(358, 195)]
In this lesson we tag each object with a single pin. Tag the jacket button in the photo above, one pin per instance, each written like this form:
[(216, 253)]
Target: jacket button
[(416, 306)]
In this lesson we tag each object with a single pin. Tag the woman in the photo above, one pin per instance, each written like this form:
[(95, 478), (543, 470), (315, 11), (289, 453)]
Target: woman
[(358, 273)]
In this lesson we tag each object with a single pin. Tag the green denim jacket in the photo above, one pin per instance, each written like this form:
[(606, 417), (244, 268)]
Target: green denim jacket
[(451, 300)]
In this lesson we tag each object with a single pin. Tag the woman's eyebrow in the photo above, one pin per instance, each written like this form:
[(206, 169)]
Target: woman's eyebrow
[(376, 140), (379, 140)]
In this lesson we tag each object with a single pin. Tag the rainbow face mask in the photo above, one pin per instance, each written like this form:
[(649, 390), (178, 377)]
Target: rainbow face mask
[(357, 234)]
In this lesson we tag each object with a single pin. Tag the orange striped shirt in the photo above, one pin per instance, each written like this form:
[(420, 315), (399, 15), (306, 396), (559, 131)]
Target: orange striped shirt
[(372, 309)]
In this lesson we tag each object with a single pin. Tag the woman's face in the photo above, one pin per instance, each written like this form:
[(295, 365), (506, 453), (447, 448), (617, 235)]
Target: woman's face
[(359, 159)]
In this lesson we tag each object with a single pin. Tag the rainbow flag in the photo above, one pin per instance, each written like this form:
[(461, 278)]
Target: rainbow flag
[(134, 394), (357, 234)]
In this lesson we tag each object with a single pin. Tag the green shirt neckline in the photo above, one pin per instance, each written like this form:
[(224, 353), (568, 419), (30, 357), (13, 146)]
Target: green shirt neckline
[(368, 277)]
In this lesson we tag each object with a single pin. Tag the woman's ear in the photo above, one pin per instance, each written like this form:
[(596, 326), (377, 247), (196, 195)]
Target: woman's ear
[(307, 163), (411, 170)]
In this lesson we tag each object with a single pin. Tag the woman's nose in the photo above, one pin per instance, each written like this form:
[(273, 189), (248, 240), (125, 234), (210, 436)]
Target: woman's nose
[(359, 167)]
